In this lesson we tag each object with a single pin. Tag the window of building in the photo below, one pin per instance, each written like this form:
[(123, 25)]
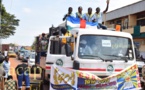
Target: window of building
[(111, 22), (141, 15), (118, 22), (141, 22), (125, 23)]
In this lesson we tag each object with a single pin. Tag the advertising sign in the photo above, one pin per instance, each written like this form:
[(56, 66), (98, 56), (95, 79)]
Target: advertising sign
[(69, 79)]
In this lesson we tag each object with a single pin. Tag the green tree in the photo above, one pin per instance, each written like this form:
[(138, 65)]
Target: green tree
[(8, 23), (33, 45)]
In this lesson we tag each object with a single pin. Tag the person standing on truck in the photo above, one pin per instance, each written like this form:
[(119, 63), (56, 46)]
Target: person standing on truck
[(79, 13), (88, 16), (70, 9), (97, 17), (22, 72), (65, 32)]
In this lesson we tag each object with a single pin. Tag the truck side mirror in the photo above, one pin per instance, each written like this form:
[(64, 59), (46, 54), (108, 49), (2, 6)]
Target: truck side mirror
[(68, 50), (137, 54)]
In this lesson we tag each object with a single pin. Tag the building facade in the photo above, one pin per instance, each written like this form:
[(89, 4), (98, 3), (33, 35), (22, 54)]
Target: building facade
[(132, 20)]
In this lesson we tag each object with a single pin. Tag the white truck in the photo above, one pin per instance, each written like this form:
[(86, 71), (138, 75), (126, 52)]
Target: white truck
[(101, 52)]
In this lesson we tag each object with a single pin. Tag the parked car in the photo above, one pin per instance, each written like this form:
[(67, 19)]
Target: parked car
[(12, 54), (21, 55), (26, 55), (31, 60)]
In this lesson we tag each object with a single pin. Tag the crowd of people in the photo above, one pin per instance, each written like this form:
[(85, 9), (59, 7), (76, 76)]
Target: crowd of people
[(89, 16), (21, 71)]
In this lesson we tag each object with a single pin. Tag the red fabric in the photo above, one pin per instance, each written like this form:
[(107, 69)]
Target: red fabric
[(82, 23)]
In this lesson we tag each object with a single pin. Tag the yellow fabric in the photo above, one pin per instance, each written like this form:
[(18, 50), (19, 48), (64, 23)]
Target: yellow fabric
[(64, 40), (89, 16)]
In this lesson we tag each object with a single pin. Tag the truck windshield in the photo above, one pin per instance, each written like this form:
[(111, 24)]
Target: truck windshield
[(105, 47)]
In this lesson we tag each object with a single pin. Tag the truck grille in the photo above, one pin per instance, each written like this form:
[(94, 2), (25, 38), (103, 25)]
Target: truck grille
[(102, 76)]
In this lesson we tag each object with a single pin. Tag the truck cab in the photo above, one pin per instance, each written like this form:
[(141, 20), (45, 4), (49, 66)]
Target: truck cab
[(101, 52)]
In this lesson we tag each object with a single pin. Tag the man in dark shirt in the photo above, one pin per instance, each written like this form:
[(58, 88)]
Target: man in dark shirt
[(43, 44), (22, 72), (70, 10)]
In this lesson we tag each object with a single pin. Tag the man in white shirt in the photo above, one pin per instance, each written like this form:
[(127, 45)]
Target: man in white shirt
[(5, 53), (79, 14), (88, 16), (6, 66), (97, 17)]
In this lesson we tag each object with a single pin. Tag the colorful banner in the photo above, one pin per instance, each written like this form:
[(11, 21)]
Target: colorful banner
[(69, 79)]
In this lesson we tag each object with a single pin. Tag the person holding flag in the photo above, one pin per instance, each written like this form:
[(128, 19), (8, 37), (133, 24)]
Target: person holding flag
[(81, 21), (70, 9), (79, 13), (88, 16)]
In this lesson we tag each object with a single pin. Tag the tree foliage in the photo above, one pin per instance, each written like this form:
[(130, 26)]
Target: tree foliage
[(8, 23), (33, 45)]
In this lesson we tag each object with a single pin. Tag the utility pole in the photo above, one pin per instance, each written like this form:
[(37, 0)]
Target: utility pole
[(0, 29)]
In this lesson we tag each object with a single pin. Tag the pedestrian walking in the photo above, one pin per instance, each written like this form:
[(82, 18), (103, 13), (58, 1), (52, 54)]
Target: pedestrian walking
[(10, 84), (6, 66), (22, 72), (6, 53)]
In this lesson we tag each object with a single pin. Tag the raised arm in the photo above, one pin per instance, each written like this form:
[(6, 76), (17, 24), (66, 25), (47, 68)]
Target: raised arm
[(64, 17), (106, 7)]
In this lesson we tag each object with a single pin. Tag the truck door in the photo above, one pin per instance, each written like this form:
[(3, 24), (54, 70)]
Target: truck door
[(56, 53)]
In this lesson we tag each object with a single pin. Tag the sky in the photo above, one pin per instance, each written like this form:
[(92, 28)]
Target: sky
[(37, 16)]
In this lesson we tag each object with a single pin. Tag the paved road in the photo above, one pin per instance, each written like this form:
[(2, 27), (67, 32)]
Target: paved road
[(14, 63)]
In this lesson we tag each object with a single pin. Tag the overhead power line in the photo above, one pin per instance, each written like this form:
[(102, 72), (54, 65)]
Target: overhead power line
[(11, 5)]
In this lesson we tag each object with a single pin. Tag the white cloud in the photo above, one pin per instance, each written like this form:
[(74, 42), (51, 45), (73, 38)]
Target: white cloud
[(27, 10)]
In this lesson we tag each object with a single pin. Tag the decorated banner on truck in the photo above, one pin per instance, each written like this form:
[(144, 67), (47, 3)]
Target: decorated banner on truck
[(69, 79)]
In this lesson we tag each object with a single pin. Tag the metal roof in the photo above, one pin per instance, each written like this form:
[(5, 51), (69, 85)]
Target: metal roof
[(127, 10)]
